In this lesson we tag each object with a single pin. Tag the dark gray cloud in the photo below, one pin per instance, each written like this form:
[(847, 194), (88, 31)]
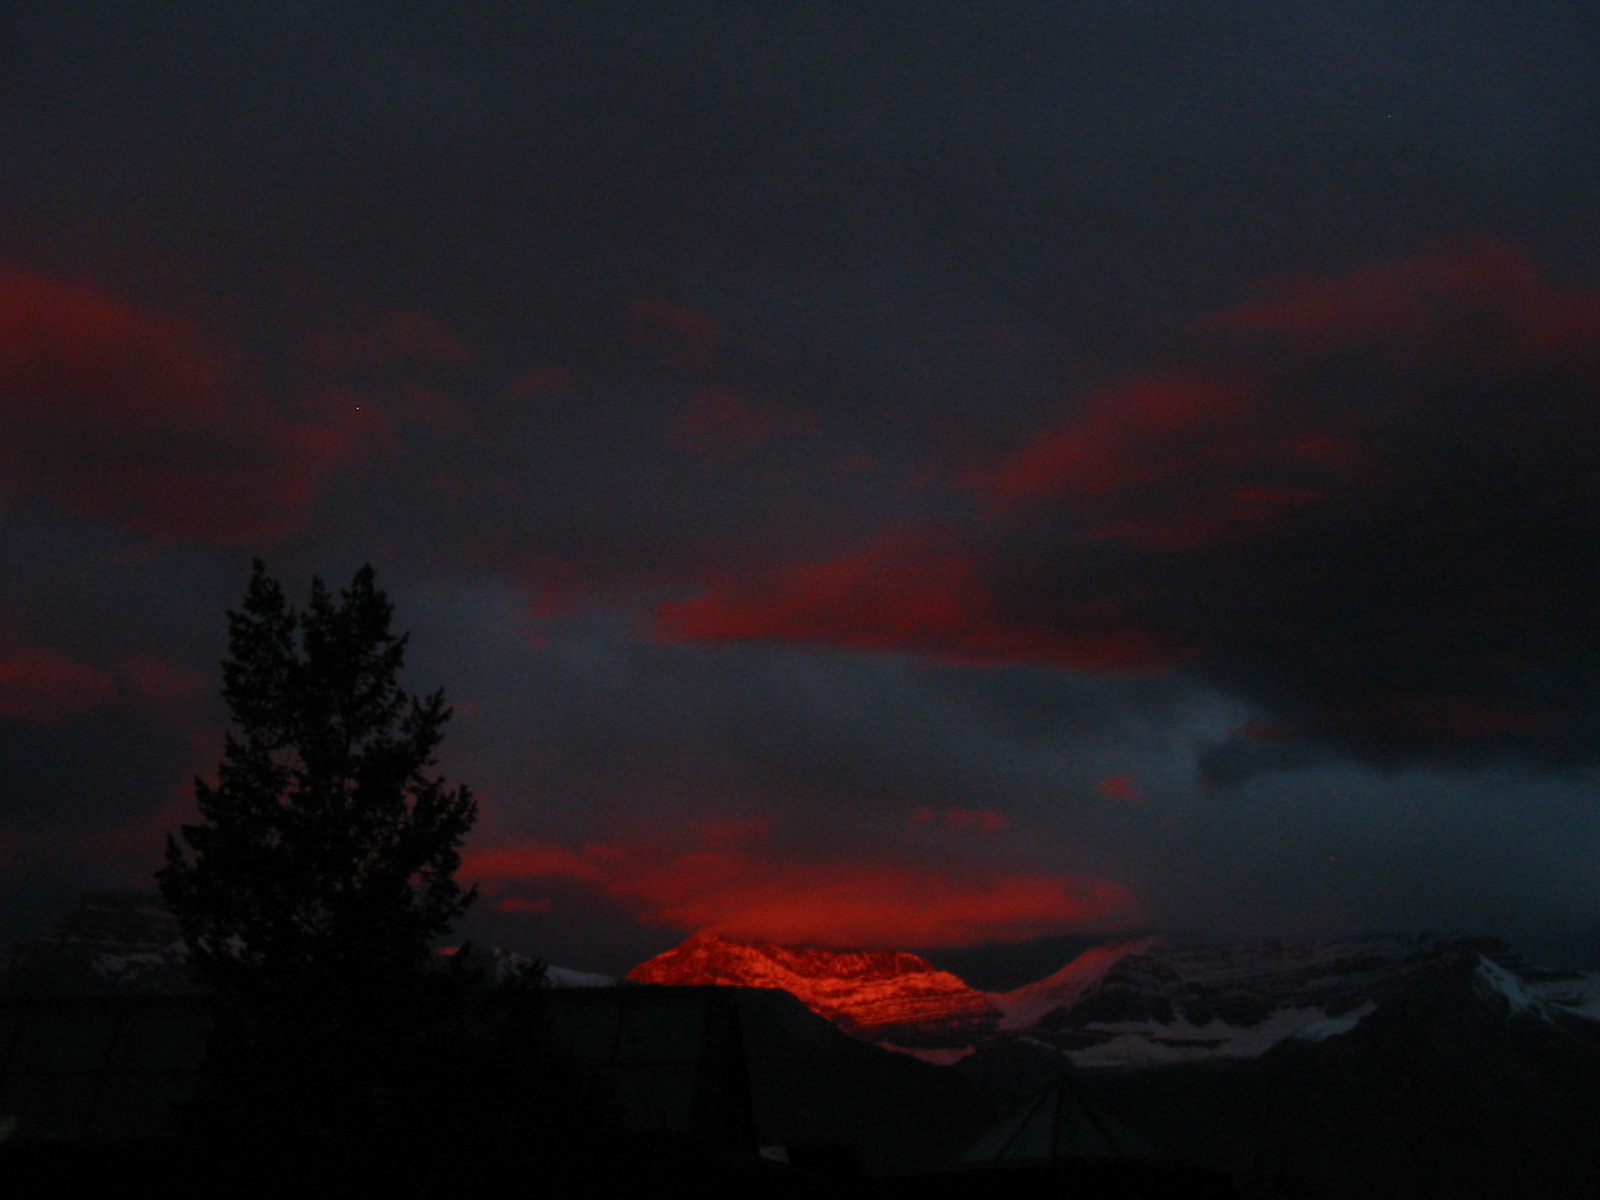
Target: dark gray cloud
[(558, 313), (1365, 509)]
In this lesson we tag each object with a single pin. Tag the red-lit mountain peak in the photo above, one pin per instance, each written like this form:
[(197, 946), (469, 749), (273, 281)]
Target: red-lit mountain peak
[(881, 995)]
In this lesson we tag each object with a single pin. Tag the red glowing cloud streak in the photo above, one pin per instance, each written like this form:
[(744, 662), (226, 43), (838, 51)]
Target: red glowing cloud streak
[(125, 414), (986, 820), (1121, 788), (922, 592), (1177, 464), (535, 860), (737, 887), (1390, 472), (41, 687), (866, 905), (386, 339), (717, 425), (664, 318), (1424, 300)]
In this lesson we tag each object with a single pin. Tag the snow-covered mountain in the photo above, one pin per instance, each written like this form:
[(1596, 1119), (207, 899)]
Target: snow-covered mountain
[(1026, 1006), (502, 965), (1465, 1078), (1160, 1001), (122, 942), (1157, 1000), (127, 942), (886, 996), (1134, 1003)]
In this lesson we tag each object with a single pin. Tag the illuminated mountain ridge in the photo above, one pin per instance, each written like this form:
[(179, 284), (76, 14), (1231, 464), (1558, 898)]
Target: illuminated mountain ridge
[(1134, 1003), (880, 995)]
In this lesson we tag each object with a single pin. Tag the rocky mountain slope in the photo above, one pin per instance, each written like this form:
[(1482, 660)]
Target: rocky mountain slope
[(1155, 1000), (1466, 1080), (1134, 1003), (1382, 1067), (118, 942), (1368, 1068), (122, 943), (1130, 1004), (884, 996)]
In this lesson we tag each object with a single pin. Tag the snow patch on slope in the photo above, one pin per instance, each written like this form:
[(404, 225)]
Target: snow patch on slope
[(1321, 1031), (566, 977), (1578, 995), (1139, 1044), (109, 964), (938, 1056), (1026, 1005), (1493, 982)]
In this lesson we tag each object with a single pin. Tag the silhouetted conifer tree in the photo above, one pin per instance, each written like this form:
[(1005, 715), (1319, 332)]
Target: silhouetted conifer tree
[(327, 850), (321, 871)]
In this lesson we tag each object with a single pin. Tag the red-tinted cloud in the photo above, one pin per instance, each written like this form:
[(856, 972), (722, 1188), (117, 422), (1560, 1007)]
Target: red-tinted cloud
[(523, 904), (681, 334), (1374, 515), (41, 687), (1175, 464), (386, 339), (117, 853), (1122, 788), (533, 860), (123, 414), (718, 425), (987, 820), (735, 882), (865, 904), (540, 381), (921, 591), (162, 682), (1432, 300)]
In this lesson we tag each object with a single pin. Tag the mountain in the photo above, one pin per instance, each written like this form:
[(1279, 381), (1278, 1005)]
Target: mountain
[(1128, 1004), (1084, 975), (1466, 1079), (502, 965), (1343, 1068), (128, 943), (120, 942), (886, 996), (1157, 1000)]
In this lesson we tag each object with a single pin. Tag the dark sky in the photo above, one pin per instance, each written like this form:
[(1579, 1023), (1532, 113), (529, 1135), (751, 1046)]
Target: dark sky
[(891, 473)]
